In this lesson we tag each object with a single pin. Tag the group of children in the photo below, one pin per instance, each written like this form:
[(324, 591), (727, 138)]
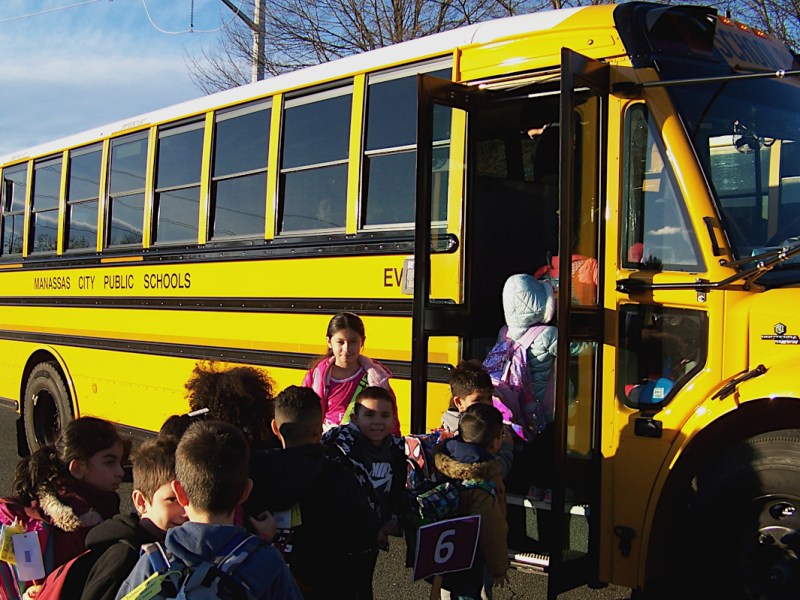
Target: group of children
[(301, 490)]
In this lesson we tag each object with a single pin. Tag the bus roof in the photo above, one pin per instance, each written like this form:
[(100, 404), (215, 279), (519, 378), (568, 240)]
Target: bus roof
[(437, 45)]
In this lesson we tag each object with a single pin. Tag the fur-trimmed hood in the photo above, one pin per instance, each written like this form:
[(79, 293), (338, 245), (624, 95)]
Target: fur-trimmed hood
[(61, 514), (459, 460)]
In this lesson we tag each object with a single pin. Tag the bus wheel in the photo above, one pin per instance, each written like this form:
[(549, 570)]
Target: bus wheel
[(46, 407), (747, 509)]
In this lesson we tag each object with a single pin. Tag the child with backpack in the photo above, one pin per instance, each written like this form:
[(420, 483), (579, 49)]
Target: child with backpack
[(324, 518), (115, 543), (60, 492), (209, 556), (339, 376), (470, 384), (378, 459), (469, 460)]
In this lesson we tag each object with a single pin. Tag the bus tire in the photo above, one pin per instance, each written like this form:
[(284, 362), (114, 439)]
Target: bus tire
[(746, 521), (46, 407)]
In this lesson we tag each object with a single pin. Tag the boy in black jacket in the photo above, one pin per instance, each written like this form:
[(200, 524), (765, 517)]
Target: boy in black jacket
[(324, 521), (378, 459), (117, 541)]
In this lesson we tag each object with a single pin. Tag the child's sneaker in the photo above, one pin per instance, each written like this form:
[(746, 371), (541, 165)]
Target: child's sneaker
[(536, 493)]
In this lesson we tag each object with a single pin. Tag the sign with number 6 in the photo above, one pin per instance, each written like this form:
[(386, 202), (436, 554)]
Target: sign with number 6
[(446, 546)]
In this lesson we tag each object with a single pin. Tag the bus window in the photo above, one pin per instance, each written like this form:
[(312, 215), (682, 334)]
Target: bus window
[(316, 140), (14, 187), (660, 349), (239, 177), (390, 149), (656, 233), (83, 198), (125, 220), (177, 195), (46, 192)]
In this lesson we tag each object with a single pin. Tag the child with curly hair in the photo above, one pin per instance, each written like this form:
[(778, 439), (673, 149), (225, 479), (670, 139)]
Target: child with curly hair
[(242, 396)]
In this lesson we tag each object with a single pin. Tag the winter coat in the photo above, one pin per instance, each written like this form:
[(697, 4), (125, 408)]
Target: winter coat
[(473, 465), (263, 571), (451, 419), (337, 521), (528, 301), (57, 521), (319, 379), (381, 470), (117, 542)]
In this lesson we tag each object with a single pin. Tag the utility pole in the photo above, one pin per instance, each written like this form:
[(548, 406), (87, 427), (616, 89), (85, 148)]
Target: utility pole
[(256, 25)]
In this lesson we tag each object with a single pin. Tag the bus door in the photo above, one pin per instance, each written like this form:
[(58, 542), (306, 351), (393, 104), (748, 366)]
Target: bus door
[(575, 510), (509, 224)]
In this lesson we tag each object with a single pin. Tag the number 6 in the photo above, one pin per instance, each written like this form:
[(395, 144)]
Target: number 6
[(444, 550)]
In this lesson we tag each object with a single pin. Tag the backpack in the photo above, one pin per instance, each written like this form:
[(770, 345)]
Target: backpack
[(68, 577), (12, 588), (507, 365), (211, 579)]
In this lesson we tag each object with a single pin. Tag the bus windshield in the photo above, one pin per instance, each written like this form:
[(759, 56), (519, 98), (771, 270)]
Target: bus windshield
[(746, 133)]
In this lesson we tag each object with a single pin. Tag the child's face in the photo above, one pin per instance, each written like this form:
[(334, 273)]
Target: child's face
[(164, 511), (103, 470), (476, 397), (346, 346), (374, 419)]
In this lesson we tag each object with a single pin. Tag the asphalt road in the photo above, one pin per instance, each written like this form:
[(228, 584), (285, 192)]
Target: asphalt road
[(392, 579)]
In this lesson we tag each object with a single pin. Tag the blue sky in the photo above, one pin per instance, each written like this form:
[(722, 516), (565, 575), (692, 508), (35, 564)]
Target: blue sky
[(78, 64)]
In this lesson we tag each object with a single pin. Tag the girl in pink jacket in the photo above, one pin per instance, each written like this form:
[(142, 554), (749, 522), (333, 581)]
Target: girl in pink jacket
[(343, 372)]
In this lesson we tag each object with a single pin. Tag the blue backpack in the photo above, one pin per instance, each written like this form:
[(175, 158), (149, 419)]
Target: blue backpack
[(209, 579)]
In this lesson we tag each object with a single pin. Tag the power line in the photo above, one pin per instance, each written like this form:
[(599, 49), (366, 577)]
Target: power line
[(49, 10), (191, 25)]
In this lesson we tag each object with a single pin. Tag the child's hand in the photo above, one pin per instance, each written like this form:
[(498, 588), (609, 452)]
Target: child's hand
[(500, 581), (264, 526), (31, 592), (382, 540)]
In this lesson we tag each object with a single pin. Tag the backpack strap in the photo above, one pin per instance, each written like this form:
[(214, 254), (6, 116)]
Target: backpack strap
[(349, 410), (530, 336), (240, 552)]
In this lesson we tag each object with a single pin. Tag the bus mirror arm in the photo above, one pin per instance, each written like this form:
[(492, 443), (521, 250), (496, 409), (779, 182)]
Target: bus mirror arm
[(762, 263)]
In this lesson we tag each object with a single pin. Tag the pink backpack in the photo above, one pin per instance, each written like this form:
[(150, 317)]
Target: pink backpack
[(507, 365)]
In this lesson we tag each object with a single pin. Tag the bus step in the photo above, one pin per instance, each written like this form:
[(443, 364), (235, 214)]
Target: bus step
[(573, 509), (529, 561)]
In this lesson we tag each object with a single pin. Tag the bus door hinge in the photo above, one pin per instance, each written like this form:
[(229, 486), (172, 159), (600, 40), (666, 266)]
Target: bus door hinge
[(625, 535), (647, 426)]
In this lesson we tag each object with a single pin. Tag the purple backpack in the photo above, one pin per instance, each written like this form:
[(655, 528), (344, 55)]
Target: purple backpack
[(507, 365)]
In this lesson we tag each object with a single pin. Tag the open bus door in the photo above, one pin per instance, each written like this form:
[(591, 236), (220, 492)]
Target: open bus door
[(575, 501), (492, 248)]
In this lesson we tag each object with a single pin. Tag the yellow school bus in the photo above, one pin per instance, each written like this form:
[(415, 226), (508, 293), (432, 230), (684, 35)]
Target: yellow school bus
[(659, 144)]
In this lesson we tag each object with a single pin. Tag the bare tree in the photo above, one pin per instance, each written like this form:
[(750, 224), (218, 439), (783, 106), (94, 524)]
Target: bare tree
[(300, 33)]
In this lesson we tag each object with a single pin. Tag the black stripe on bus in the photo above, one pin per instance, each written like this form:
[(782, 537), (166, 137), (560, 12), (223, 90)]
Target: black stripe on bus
[(291, 360), (328, 246), (369, 306)]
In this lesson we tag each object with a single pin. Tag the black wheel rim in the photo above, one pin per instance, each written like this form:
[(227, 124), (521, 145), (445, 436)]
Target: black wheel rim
[(770, 557)]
